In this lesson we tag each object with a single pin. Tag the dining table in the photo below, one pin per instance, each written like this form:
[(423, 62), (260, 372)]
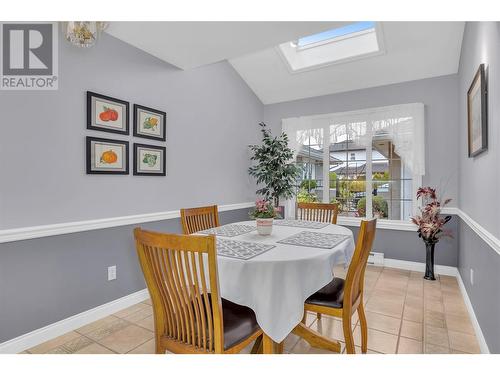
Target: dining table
[(274, 274)]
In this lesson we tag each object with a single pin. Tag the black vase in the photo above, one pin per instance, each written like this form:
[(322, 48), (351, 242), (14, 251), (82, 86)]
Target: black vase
[(429, 260)]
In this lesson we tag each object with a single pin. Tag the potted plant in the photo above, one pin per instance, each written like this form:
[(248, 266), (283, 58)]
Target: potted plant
[(275, 170), (430, 225), (264, 214)]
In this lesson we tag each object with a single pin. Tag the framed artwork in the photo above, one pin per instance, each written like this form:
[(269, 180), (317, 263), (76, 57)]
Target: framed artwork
[(107, 156), (477, 114), (149, 123), (107, 114), (149, 160)]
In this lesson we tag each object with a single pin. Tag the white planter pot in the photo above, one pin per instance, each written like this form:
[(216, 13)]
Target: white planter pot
[(264, 226)]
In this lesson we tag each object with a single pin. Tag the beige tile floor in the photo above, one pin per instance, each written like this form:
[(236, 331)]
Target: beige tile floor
[(405, 314)]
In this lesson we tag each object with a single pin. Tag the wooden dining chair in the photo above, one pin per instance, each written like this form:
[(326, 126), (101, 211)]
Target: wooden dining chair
[(342, 298), (324, 212), (189, 314), (199, 218)]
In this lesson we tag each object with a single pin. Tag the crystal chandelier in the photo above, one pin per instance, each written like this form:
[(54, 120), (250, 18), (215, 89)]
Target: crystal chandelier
[(83, 33)]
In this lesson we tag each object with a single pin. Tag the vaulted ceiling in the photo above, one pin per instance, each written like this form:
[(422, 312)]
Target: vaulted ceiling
[(412, 50)]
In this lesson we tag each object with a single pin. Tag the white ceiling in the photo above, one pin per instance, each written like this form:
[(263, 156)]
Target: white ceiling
[(413, 50), (192, 44)]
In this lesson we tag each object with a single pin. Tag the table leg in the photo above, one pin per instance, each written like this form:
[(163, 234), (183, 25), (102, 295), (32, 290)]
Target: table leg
[(271, 347), (315, 339)]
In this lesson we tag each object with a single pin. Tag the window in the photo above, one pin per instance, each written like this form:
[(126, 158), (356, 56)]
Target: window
[(332, 34), (354, 41), (370, 162)]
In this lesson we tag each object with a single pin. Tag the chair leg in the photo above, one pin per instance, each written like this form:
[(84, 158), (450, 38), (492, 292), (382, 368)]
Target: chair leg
[(159, 349), (349, 340), (364, 328), (304, 318)]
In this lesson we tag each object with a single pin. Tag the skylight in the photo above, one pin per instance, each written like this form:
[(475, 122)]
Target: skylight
[(331, 34), (351, 42)]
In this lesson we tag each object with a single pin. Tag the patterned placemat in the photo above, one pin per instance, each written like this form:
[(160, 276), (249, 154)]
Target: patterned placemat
[(229, 230), (315, 239), (301, 224), (241, 249)]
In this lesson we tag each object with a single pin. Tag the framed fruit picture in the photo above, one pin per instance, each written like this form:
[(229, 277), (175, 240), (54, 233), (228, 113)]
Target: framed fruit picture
[(107, 156), (149, 160), (107, 114), (150, 123)]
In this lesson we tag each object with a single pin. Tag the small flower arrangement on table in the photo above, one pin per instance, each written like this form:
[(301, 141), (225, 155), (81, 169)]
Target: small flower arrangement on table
[(431, 225), (264, 214)]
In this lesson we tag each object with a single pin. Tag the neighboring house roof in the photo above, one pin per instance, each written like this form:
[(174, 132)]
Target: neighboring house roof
[(345, 146), (360, 168), (316, 155)]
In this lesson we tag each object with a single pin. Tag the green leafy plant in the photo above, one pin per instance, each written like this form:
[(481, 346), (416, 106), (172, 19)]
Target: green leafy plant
[(275, 169), (353, 186), (308, 185), (304, 196), (333, 179), (379, 206)]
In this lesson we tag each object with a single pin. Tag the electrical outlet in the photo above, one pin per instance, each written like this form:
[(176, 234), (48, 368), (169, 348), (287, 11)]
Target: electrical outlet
[(471, 276), (111, 273)]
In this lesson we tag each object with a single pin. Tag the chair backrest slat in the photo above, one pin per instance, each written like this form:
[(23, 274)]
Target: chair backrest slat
[(181, 275), (159, 271), (199, 218), (356, 272), (200, 323), (323, 212), (206, 302)]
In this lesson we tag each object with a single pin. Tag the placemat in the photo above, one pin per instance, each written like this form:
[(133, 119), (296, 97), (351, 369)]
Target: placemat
[(229, 230), (315, 239), (241, 249), (301, 224)]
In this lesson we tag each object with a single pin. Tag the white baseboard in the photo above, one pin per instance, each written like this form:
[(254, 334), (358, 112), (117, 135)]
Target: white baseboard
[(61, 327), (475, 323), (419, 267)]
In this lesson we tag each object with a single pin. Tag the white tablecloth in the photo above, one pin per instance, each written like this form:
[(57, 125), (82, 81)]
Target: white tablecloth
[(275, 284)]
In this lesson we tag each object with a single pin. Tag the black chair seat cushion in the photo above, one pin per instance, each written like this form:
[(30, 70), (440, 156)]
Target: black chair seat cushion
[(239, 323), (331, 295)]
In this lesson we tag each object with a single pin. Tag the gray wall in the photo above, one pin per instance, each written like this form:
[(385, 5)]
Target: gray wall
[(211, 113), (485, 293), (48, 279), (479, 181), (441, 119), (480, 176)]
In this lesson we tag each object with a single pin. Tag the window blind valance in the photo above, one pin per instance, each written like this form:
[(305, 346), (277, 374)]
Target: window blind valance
[(403, 124)]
